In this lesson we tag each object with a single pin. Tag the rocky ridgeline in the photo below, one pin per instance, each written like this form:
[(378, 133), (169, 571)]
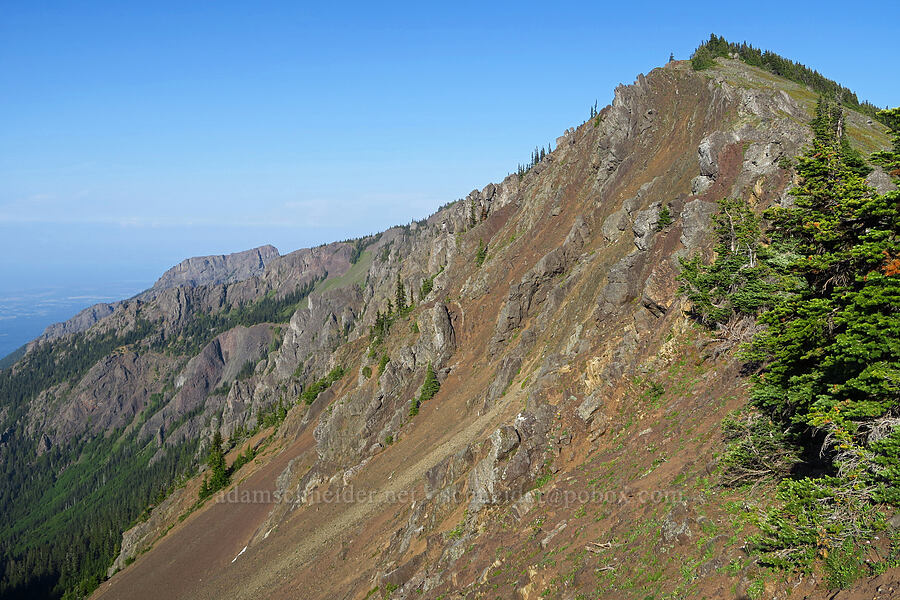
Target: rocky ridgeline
[(574, 300), (212, 270), (192, 272)]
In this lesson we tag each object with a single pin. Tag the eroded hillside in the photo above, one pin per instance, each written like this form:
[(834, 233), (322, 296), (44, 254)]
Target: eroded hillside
[(571, 446)]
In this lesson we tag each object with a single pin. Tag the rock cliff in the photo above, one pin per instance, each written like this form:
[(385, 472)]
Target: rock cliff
[(570, 443), (551, 355), (212, 270)]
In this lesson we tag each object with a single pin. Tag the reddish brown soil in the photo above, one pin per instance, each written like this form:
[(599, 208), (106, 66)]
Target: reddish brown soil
[(330, 550), (203, 545)]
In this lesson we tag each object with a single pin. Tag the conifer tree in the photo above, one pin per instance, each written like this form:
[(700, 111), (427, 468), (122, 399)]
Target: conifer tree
[(400, 295), (218, 471), (831, 348), (736, 283), (480, 253), (429, 388)]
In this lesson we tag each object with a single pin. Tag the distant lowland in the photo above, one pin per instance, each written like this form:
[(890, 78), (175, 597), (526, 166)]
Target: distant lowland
[(24, 314), (27, 313)]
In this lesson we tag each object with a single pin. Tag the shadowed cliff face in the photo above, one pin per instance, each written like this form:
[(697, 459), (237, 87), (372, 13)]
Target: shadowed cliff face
[(566, 366)]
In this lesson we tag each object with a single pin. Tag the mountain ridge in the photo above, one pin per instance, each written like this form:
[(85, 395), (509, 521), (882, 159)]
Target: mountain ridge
[(550, 314), (716, 166)]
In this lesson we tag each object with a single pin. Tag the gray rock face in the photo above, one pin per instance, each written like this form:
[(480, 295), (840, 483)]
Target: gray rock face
[(695, 222), (219, 362), (109, 395), (353, 426), (535, 283), (615, 224), (709, 149), (504, 375), (620, 285), (443, 337), (760, 158), (80, 322), (504, 440), (645, 226), (208, 283), (316, 330), (440, 478), (619, 127), (514, 460), (587, 408), (43, 445), (881, 181), (700, 184), (211, 270)]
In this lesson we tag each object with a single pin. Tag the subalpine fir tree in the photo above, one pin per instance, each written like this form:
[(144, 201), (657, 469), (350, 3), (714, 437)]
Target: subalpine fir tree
[(736, 284), (831, 350), (400, 295), (430, 387), (218, 470)]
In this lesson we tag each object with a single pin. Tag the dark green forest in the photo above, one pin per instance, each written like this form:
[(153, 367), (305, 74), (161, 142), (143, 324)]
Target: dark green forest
[(62, 513)]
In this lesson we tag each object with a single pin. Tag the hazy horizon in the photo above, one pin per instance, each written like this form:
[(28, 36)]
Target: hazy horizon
[(135, 137)]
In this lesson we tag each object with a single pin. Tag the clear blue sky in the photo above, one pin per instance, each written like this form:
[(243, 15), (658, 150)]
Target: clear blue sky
[(135, 134)]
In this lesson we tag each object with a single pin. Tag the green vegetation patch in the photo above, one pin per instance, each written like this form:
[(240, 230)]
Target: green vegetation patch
[(826, 389), (312, 392), (716, 46)]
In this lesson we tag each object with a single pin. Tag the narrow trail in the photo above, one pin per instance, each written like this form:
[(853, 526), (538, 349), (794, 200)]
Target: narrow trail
[(277, 569)]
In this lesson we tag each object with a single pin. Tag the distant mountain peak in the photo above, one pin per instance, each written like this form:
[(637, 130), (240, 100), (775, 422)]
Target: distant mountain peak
[(216, 269)]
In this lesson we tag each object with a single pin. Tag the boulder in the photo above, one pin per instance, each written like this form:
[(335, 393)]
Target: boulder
[(645, 226), (615, 224), (587, 408)]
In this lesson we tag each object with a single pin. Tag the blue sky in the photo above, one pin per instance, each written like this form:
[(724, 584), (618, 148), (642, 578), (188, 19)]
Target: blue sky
[(133, 135)]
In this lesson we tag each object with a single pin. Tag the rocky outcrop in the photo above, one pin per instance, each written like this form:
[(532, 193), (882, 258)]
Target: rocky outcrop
[(534, 286), (356, 426), (514, 460), (212, 270), (109, 396), (621, 285), (191, 272), (218, 363), (591, 412), (80, 322), (575, 332), (315, 331), (210, 284), (645, 226), (695, 222), (141, 536)]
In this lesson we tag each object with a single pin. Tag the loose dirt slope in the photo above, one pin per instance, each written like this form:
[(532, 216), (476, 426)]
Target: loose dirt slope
[(571, 449)]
